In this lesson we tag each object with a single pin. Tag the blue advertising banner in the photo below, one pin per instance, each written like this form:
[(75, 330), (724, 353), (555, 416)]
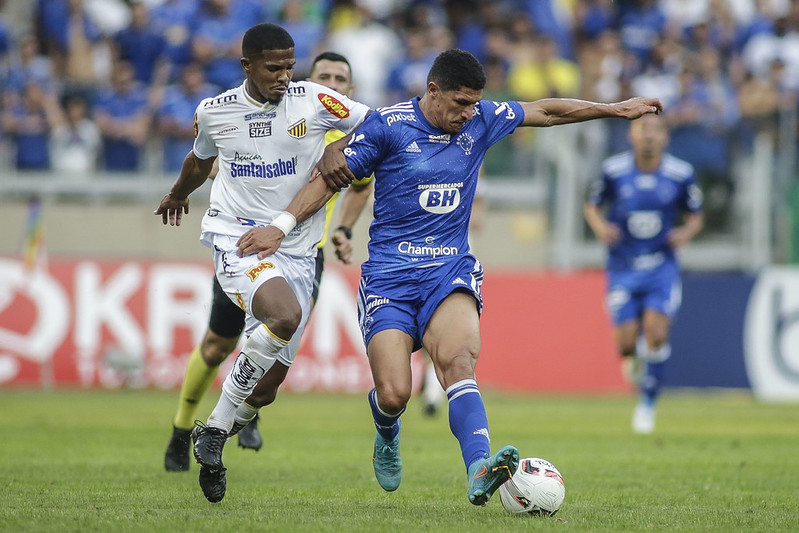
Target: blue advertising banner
[(708, 333)]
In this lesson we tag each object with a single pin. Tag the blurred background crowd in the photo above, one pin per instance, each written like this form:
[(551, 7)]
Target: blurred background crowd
[(110, 86)]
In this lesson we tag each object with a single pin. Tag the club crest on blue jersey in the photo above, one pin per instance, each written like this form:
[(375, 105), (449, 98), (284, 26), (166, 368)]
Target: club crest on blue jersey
[(466, 142)]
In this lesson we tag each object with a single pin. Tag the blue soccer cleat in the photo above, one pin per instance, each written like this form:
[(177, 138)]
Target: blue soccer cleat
[(387, 462), (486, 475)]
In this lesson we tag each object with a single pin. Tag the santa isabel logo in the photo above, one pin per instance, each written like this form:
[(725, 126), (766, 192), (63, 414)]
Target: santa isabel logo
[(334, 106)]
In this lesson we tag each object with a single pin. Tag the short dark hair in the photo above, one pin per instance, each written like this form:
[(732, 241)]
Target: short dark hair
[(330, 56), (456, 68), (265, 37)]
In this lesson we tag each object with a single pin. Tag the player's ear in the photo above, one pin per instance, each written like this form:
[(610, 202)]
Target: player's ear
[(245, 64)]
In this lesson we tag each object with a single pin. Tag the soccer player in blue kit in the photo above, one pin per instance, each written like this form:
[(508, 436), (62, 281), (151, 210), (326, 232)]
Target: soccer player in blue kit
[(420, 286), (644, 190)]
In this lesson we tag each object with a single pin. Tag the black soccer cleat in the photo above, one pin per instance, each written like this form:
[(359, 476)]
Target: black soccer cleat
[(249, 437), (176, 458), (208, 444), (213, 483)]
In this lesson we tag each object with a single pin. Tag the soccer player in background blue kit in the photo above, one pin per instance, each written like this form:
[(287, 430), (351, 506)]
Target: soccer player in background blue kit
[(644, 190), (421, 286)]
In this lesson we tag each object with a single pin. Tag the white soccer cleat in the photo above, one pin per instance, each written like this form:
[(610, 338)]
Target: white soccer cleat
[(643, 419)]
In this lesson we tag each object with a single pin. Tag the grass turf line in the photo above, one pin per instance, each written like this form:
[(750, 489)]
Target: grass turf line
[(93, 461)]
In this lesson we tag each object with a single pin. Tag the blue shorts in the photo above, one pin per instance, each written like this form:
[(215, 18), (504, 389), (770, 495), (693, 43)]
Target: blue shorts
[(406, 299), (630, 292)]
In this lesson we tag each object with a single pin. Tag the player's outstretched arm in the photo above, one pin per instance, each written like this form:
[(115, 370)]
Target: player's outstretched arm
[(193, 174), (266, 240), (555, 111)]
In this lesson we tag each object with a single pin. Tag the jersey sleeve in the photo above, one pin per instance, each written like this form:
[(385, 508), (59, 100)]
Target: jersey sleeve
[(368, 147), (336, 111), (333, 136), (501, 118), (599, 189), (692, 200), (204, 146)]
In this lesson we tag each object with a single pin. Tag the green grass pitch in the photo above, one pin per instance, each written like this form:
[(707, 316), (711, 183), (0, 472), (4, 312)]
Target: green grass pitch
[(92, 461)]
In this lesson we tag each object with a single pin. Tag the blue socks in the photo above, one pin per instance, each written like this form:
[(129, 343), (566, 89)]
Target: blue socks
[(652, 382), (468, 420), (386, 424)]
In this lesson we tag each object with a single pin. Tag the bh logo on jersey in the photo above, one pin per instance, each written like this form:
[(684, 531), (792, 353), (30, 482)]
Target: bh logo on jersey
[(440, 201)]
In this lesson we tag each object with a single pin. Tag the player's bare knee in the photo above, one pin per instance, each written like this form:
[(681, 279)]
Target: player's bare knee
[(392, 400), (262, 397), (461, 365), (284, 323)]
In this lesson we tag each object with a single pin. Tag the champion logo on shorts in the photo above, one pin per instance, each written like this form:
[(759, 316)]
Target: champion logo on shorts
[(257, 269)]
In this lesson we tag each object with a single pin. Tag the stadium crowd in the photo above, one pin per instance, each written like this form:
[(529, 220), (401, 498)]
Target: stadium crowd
[(111, 85)]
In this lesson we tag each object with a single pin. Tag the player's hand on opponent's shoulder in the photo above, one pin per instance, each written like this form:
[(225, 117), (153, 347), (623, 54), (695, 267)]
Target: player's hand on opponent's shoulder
[(171, 209), (332, 168), (343, 246), (263, 241), (637, 107)]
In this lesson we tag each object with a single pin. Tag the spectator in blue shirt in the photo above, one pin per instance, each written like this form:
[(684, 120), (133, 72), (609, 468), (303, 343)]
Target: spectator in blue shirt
[(217, 42), (123, 117), (176, 20), (28, 66), (29, 122), (176, 117), (641, 27), (143, 46)]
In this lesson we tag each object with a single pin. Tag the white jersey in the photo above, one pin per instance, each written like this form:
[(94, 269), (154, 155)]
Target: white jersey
[(266, 153)]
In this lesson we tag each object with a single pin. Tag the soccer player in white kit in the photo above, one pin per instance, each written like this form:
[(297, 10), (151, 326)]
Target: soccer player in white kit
[(267, 135)]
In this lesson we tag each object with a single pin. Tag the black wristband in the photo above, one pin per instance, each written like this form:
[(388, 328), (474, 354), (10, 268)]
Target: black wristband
[(347, 231)]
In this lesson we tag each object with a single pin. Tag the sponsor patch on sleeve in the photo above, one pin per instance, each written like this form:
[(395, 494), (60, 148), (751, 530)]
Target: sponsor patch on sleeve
[(333, 105)]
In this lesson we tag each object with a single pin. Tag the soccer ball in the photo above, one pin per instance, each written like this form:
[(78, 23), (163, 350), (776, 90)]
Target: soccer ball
[(536, 488)]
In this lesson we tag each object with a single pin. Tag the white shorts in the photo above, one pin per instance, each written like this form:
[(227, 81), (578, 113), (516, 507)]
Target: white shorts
[(240, 278)]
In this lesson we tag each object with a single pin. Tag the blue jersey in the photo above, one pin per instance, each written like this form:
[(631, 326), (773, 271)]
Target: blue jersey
[(644, 205), (425, 180)]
